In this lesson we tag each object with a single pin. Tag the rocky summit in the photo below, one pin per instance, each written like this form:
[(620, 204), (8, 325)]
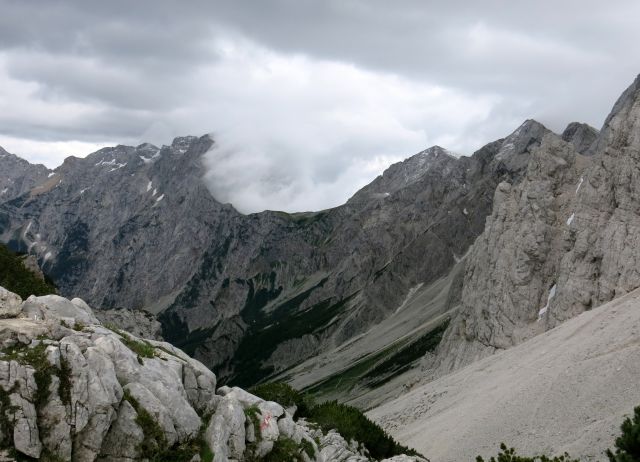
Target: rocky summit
[(72, 388)]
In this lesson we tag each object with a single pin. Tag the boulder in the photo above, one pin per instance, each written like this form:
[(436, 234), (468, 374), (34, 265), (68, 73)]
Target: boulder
[(10, 304)]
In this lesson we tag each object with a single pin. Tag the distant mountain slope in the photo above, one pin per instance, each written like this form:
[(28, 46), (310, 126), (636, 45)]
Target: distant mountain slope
[(121, 227), (137, 228), (18, 176), (288, 287)]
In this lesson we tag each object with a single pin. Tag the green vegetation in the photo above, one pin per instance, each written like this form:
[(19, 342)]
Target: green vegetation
[(351, 423), (78, 326), (509, 455), (64, 388), (252, 413), (378, 368), (285, 450), (627, 447), (628, 444), (267, 331), (303, 218), (142, 348), (15, 277), (403, 359), (308, 448), (6, 423), (35, 357), (347, 379), (154, 446), (283, 394)]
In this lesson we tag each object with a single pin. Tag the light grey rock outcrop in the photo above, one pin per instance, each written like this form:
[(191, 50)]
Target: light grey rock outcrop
[(82, 392), (140, 323), (10, 304)]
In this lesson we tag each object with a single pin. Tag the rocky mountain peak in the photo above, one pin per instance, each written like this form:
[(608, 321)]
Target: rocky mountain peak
[(622, 126), (581, 135), (183, 143), (409, 171), (18, 175), (521, 141)]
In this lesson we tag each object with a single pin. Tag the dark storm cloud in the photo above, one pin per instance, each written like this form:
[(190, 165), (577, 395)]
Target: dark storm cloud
[(334, 90)]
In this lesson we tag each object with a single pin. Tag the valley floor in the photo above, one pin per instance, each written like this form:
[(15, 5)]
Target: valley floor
[(565, 390)]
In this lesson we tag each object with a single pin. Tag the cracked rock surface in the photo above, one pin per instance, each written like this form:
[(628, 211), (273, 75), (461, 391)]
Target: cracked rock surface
[(72, 389)]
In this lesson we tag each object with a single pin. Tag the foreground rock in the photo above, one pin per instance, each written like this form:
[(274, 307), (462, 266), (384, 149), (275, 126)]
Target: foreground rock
[(72, 389)]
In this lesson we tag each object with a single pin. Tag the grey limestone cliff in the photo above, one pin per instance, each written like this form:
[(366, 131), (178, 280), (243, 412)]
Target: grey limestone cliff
[(561, 242)]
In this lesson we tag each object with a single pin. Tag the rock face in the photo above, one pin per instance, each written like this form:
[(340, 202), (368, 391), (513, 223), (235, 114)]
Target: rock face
[(121, 227), (71, 389), (18, 175), (253, 295), (562, 241), (137, 322), (582, 136)]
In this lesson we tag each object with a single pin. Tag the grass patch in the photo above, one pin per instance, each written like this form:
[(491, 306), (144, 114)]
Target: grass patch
[(349, 421), (141, 348), (44, 371), (6, 421), (252, 414), (36, 358), (302, 218), (64, 389)]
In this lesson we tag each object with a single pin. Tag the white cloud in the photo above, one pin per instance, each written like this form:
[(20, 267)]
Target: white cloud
[(49, 153), (299, 134)]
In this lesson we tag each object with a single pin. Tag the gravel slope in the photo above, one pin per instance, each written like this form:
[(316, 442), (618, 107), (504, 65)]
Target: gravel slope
[(565, 390)]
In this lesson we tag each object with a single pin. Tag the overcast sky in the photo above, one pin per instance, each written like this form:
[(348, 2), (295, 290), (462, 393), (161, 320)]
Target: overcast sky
[(308, 100)]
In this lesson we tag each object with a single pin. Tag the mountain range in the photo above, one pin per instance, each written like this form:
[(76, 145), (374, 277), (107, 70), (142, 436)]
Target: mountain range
[(440, 261)]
